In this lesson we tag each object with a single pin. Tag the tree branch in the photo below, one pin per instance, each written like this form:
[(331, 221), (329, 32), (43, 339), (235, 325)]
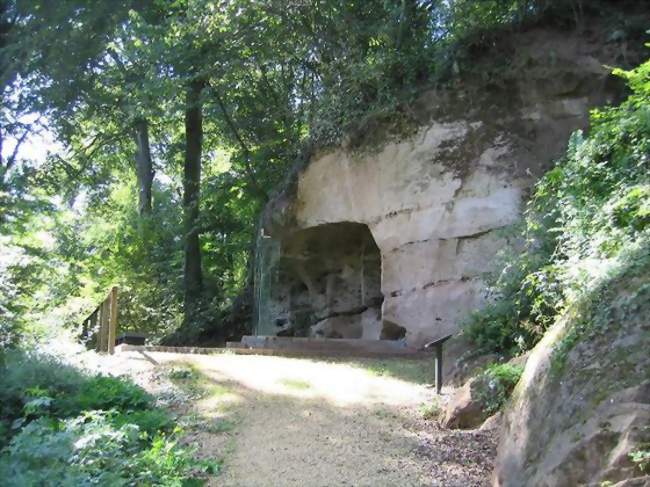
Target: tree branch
[(12, 159), (118, 61), (247, 153)]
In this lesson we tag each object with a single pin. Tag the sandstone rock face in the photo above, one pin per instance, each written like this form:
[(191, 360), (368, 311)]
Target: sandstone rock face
[(493, 422), (429, 211), (463, 411), (577, 425)]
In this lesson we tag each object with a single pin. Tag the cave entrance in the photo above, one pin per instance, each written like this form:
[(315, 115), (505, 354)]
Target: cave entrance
[(330, 284)]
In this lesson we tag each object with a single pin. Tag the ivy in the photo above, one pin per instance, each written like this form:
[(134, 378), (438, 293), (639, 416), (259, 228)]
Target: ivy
[(585, 219)]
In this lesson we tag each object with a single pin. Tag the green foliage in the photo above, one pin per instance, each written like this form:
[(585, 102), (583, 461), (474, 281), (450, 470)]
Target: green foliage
[(141, 255), (641, 458), (430, 410), (27, 376), (586, 217), (23, 269), (105, 393), (493, 386), (150, 421), (596, 311), (34, 384), (59, 426), (633, 209), (295, 384), (183, 373), (90, 449)]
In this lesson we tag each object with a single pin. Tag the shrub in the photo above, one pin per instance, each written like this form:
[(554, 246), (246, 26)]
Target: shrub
[(33, 385), (151, 421), (26, 375), (59, 426), (183, 373), (641, 458), (105, 393), (584, 217), (430, 410), (90, 449), (494, 385)]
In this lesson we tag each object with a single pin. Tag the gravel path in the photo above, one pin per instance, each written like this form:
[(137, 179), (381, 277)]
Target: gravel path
[(294, 422)]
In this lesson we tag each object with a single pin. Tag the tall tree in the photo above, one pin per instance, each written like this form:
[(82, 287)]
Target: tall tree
[(191, 197), (143, 165)]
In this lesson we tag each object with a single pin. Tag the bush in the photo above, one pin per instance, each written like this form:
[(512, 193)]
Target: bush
[(35, 384), (430, 410), (105, 393), (62, 427), (585, 216), (641, 458), (494, 385), (91, 450), (151, 421), (27, 375)]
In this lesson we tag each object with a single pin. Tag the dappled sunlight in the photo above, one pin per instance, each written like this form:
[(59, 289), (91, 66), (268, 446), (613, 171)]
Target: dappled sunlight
[(339, 383), (218, 403), (307, 421)]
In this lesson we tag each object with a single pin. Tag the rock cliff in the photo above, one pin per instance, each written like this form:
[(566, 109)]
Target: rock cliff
[(393, 240)]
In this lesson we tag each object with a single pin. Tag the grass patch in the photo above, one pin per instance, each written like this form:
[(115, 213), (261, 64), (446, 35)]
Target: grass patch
[(215, 390), (430, 411), (417, 371), (297, 384), (220, 425), (189, 378)]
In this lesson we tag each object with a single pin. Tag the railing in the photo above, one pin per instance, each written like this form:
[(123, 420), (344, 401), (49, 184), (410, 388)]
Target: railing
[(99, 329)]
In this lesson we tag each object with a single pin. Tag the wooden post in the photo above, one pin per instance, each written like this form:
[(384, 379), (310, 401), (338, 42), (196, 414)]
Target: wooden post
[(93, 328), (104, 329), (112, 325), (84, 329), (98, 334), (103, 325)]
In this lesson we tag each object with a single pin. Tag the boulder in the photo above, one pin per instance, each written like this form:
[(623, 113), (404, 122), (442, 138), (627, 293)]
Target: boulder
[(583, 402), (463, 411), (493, 422)]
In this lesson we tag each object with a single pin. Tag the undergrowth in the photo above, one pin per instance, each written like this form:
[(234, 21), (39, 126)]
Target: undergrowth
[(585, 220), (60, 426), (493, 386), (430, 410), (641, 456)]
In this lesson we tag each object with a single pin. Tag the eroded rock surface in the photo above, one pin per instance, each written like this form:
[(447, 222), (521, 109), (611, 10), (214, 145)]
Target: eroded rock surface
[(435, 205), (464, 410), (575, 419)]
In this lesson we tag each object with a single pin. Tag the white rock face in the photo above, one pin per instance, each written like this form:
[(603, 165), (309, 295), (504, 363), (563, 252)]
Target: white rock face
[(432, 226), (435, 227), (437, 205)]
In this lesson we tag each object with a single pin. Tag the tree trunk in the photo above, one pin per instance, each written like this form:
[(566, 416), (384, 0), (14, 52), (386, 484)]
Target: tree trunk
[(191, 187), (144, 166)]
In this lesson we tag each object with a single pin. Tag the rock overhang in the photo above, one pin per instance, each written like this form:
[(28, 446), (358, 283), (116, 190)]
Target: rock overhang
[(438, 203)]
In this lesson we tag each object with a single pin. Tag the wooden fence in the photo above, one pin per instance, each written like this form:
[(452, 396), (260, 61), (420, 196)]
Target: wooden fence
[(99, 329)]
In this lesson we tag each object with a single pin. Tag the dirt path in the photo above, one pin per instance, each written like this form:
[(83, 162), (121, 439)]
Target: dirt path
[(294, 422)]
